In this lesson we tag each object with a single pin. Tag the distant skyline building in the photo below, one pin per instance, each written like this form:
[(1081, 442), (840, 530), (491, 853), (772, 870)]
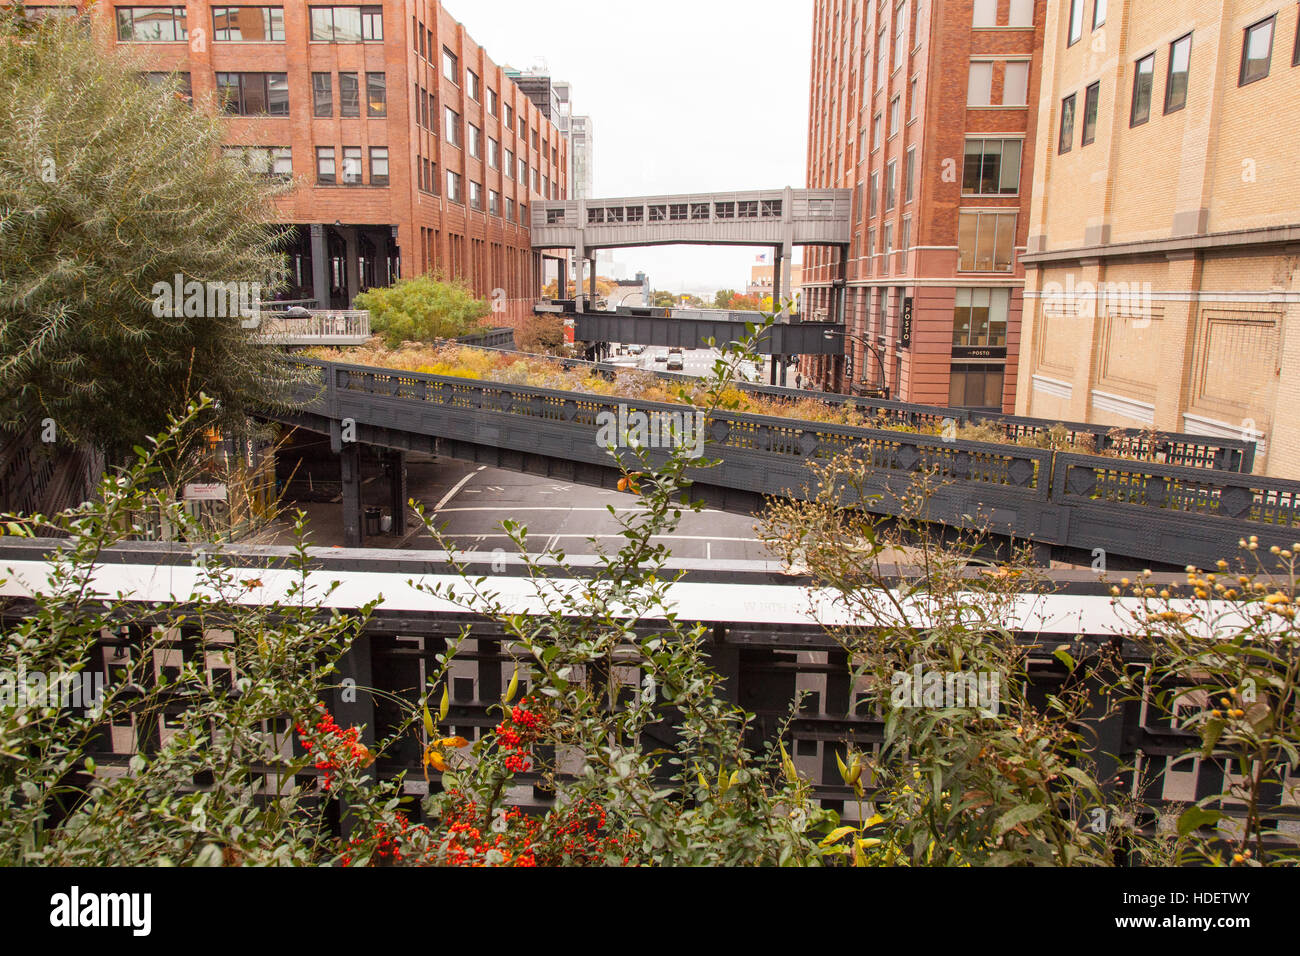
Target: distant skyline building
[(554, 98)]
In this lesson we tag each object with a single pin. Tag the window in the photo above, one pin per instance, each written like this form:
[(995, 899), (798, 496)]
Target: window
[(523, 131), (254, 94), (451, 121), (904, 240), (273, 161), (537, 180), (475, 195), (523, 171), (1090, 103), (349, 95), (247, 24), (472, 85), (882, 58), (895, 115), (975, 386), (770, 208), (1098, 13), (1295, 54), (915, 110), (876, 138), (891, 185), (509, 165), (493, 101), (873, 200), (677, 212), (494, 153), (985, 241), (475, 141), (347, 24), (980, 317), (325, 164), (181, 81), (979, 88), (1143, 75), (986, 13), (900, 34), (1022, 13), (450, 66), (376, 94), (494, 202), (1066, 139), (699, 212), (1015, 83), (510, 116), (909, 175), (1256, 51), (352, 173), (151, 25), (724, 210), (322, 95), (745, 209), (889, 247), (510, 210), (379, 165), (453, 187), (1076, 22)]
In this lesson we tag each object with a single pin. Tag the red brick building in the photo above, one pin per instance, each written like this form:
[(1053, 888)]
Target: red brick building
[(412, 151), (927, 109)]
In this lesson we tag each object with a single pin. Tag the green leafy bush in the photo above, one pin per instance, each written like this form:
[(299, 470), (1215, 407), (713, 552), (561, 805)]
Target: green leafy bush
[(423, 309)]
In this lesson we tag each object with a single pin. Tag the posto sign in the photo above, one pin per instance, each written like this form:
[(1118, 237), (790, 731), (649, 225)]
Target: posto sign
[(905, 325)]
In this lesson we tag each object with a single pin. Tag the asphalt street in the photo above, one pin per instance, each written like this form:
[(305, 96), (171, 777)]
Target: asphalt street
[(470, 501)]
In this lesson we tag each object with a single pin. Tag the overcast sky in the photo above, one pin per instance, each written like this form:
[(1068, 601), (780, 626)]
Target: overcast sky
[(684, 96)]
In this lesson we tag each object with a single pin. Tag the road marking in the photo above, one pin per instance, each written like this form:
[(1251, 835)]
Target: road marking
[(455, 488), (708, 551)]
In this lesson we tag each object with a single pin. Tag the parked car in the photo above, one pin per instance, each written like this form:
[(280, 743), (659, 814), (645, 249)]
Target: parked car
[(661, 356), (635, 349), (675, 363)]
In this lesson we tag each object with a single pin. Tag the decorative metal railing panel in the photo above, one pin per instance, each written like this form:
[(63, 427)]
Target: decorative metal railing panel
[(1165, 514)]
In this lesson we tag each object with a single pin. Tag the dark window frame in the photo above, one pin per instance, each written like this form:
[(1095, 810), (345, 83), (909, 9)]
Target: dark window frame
[(1091, 107), (1133, 120), (241, 99), (1071, 38), (366, 14), (382, 89), (381, 179), (1245, 46), (349, 108), (324, 179), (1169, 75), (268, 19), (179, 22), (1065, 137), (317, 91)]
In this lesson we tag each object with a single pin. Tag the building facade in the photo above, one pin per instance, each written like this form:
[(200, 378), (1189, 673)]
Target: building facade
[(1163, 285), (922, 108), (411, 150), (761, 279)]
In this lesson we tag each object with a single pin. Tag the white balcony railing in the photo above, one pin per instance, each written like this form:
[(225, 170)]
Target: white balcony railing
[(318, 327)]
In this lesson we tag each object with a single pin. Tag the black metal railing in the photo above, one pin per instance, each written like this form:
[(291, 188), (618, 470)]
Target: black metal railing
[(1164, 513)]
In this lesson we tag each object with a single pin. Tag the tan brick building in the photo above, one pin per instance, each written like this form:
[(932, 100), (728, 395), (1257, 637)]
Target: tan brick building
[(923, 108), (1163, 283), (412, 150)]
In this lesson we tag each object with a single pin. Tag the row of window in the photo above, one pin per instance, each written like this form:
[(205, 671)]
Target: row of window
[(351, 174), (322, 95), (1256, 56), (251, 24), (677, 212)]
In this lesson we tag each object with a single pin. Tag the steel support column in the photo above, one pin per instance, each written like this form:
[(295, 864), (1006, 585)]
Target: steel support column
[(350, 478), (320, 265), (397, 490)]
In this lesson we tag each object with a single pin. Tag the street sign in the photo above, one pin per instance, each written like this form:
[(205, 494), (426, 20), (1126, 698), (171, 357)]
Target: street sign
[(212, 491), (905, 325)]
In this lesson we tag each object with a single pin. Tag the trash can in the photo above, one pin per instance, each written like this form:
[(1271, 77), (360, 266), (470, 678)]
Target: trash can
[(372, 520)]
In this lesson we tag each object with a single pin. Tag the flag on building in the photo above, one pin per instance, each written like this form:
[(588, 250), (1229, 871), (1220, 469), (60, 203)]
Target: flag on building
[(761, 258)]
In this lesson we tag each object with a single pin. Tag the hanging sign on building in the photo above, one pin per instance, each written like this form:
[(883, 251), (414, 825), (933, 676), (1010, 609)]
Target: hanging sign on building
[(905, 325)]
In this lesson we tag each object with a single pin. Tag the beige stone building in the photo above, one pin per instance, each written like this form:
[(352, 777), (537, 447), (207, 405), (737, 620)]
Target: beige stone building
[(1163, 259)]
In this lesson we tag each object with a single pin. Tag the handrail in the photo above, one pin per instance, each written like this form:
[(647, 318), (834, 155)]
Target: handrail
[(1166, 513)]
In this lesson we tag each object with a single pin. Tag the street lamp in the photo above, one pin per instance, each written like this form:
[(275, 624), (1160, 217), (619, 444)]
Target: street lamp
[(883, 388)]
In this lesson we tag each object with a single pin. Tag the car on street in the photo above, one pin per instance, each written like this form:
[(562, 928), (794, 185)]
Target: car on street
[(675, 363), (661, 356)]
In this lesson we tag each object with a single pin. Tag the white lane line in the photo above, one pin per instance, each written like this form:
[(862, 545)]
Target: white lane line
[(708, 551), (455, 488)]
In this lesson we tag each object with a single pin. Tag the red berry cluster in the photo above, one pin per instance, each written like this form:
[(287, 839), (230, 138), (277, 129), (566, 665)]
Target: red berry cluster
[(338, 748), (522, 727), (467, 845), (390, 842)]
